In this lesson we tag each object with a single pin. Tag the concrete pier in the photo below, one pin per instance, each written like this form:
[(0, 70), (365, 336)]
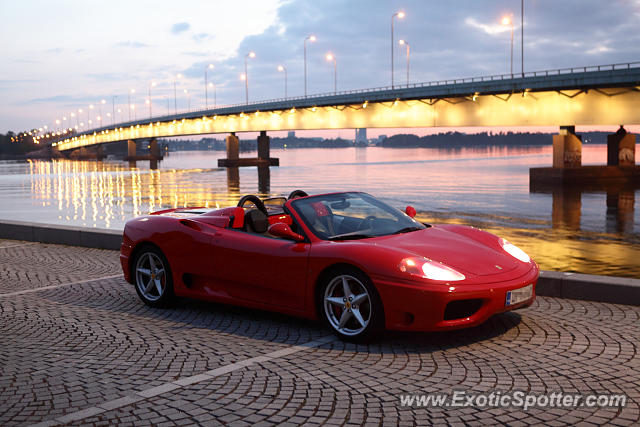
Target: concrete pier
[(154, 153), (233, 153), (567, 167)]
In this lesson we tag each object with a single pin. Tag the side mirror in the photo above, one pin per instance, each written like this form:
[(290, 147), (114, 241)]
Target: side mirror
[(411, 211), (280, 229)]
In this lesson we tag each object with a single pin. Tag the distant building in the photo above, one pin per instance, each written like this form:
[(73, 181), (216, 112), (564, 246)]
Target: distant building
[(361, 136), (291, 134)]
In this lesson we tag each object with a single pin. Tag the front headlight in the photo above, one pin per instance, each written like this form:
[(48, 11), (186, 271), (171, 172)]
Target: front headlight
[(514, 251), (423, 267)]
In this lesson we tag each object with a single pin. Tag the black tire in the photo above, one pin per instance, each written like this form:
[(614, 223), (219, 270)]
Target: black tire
[(152, 277), (370, 310)]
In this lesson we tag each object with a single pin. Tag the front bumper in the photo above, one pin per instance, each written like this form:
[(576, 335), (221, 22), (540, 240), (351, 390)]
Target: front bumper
[(423, 306)]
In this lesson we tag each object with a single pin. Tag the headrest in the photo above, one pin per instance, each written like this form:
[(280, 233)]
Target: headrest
[(256, 220), (321, 209)]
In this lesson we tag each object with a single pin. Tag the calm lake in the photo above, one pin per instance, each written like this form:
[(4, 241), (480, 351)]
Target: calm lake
[(595, 232)]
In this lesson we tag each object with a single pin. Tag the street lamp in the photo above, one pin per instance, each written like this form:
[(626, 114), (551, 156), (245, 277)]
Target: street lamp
[(175, 93), (132, 91), (113, 110), (186, 92), (206, 86), (406, 43), (215, 101), (102, 102), (88, 114), (282, 68), (522, 35), (400, 15), (330, 57), (246, 75), (152, 84), (508, 20), (310, 38)]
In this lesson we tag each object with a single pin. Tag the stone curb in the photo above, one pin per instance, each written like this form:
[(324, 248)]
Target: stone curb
[(61, 234), (616, 290)]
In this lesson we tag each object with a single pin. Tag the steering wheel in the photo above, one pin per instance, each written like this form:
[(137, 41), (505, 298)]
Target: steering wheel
[(255, 200), (367, 222), (297, 193)]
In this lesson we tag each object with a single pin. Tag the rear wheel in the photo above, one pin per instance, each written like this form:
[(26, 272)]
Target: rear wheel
[(153, 279), (351, 306)]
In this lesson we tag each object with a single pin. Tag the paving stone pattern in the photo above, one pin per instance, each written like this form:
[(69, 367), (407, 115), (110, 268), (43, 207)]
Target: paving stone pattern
[(78, 346)]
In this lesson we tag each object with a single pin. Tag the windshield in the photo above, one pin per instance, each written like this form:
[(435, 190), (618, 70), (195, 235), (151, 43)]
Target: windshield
[(348, 216)]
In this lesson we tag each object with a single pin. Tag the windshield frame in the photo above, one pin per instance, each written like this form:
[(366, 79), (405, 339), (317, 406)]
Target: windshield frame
[(400, 215)]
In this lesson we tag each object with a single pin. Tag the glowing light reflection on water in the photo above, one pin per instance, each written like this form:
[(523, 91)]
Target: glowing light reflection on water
[(592, 232)]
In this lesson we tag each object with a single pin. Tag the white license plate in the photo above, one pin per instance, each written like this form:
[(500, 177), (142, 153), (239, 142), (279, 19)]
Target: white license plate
[(519, 295)]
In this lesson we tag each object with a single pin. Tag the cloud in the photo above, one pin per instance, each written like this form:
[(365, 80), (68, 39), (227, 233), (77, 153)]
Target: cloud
[(202, 37), (180, 27), (132, 44), (487, 28), (598, 49)]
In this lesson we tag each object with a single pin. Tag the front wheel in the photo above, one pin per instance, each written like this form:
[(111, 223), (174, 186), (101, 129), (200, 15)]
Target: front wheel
[(351, 306), (153, 280)]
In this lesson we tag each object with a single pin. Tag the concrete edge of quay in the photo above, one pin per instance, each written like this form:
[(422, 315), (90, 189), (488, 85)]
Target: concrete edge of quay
[(588, 287), (61, 234)]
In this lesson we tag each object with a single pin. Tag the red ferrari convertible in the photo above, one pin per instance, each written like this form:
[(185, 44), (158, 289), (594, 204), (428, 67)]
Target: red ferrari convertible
[(347, 258)]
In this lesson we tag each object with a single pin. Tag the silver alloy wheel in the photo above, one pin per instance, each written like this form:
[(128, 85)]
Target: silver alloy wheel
[(347, 305), (150, 278)]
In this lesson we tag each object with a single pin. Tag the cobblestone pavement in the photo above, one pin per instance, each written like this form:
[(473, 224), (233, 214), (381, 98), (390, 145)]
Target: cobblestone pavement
[(87, 351)]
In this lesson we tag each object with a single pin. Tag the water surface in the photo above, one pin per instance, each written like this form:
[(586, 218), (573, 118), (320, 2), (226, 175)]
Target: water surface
[(594, 232)]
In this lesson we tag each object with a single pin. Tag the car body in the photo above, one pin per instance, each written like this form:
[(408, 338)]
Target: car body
[(347, 258)]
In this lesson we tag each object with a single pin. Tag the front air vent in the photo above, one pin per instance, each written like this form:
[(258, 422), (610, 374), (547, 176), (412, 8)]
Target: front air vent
[(462, 308)]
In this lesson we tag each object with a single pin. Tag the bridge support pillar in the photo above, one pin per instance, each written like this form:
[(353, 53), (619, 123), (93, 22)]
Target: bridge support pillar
[(154, 153), (264, 145), (567, 148), (233, 153), (621, 148), (233, 146)]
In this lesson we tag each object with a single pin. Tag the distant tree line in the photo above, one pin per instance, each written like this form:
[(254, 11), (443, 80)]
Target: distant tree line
[(13, 146), (483, 139)]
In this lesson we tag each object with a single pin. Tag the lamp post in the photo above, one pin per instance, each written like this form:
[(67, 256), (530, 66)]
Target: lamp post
[(246, 75), (508, 20), (129, 100), (282, 68), (102, 102), (88, 114), (152, 84), (186, 92), (522, 35), (175, 93), (400, 15), (206, 86), (113, 110), (310, 38), (330, 57), (406, 43), (215, 101)]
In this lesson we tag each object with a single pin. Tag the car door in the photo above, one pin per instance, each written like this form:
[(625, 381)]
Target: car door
[(261, 269)]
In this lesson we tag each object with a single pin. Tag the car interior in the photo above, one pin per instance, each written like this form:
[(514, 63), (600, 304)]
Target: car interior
[(259, 214)]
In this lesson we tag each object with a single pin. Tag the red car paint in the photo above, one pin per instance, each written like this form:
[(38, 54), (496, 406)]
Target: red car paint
[(212, 259)]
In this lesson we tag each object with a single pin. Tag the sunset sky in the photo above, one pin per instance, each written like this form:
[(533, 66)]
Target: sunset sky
[(60, 56)]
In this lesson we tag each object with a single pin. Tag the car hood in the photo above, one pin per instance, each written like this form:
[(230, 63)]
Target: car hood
[(459, 251)]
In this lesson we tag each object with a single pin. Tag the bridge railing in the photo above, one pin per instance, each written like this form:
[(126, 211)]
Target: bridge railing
[(543, 73), (496, 77)]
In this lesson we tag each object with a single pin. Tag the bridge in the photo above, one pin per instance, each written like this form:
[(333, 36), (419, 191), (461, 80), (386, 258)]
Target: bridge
[(597, 95)]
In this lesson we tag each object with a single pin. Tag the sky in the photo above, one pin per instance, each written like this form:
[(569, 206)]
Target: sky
[(57, 57)]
